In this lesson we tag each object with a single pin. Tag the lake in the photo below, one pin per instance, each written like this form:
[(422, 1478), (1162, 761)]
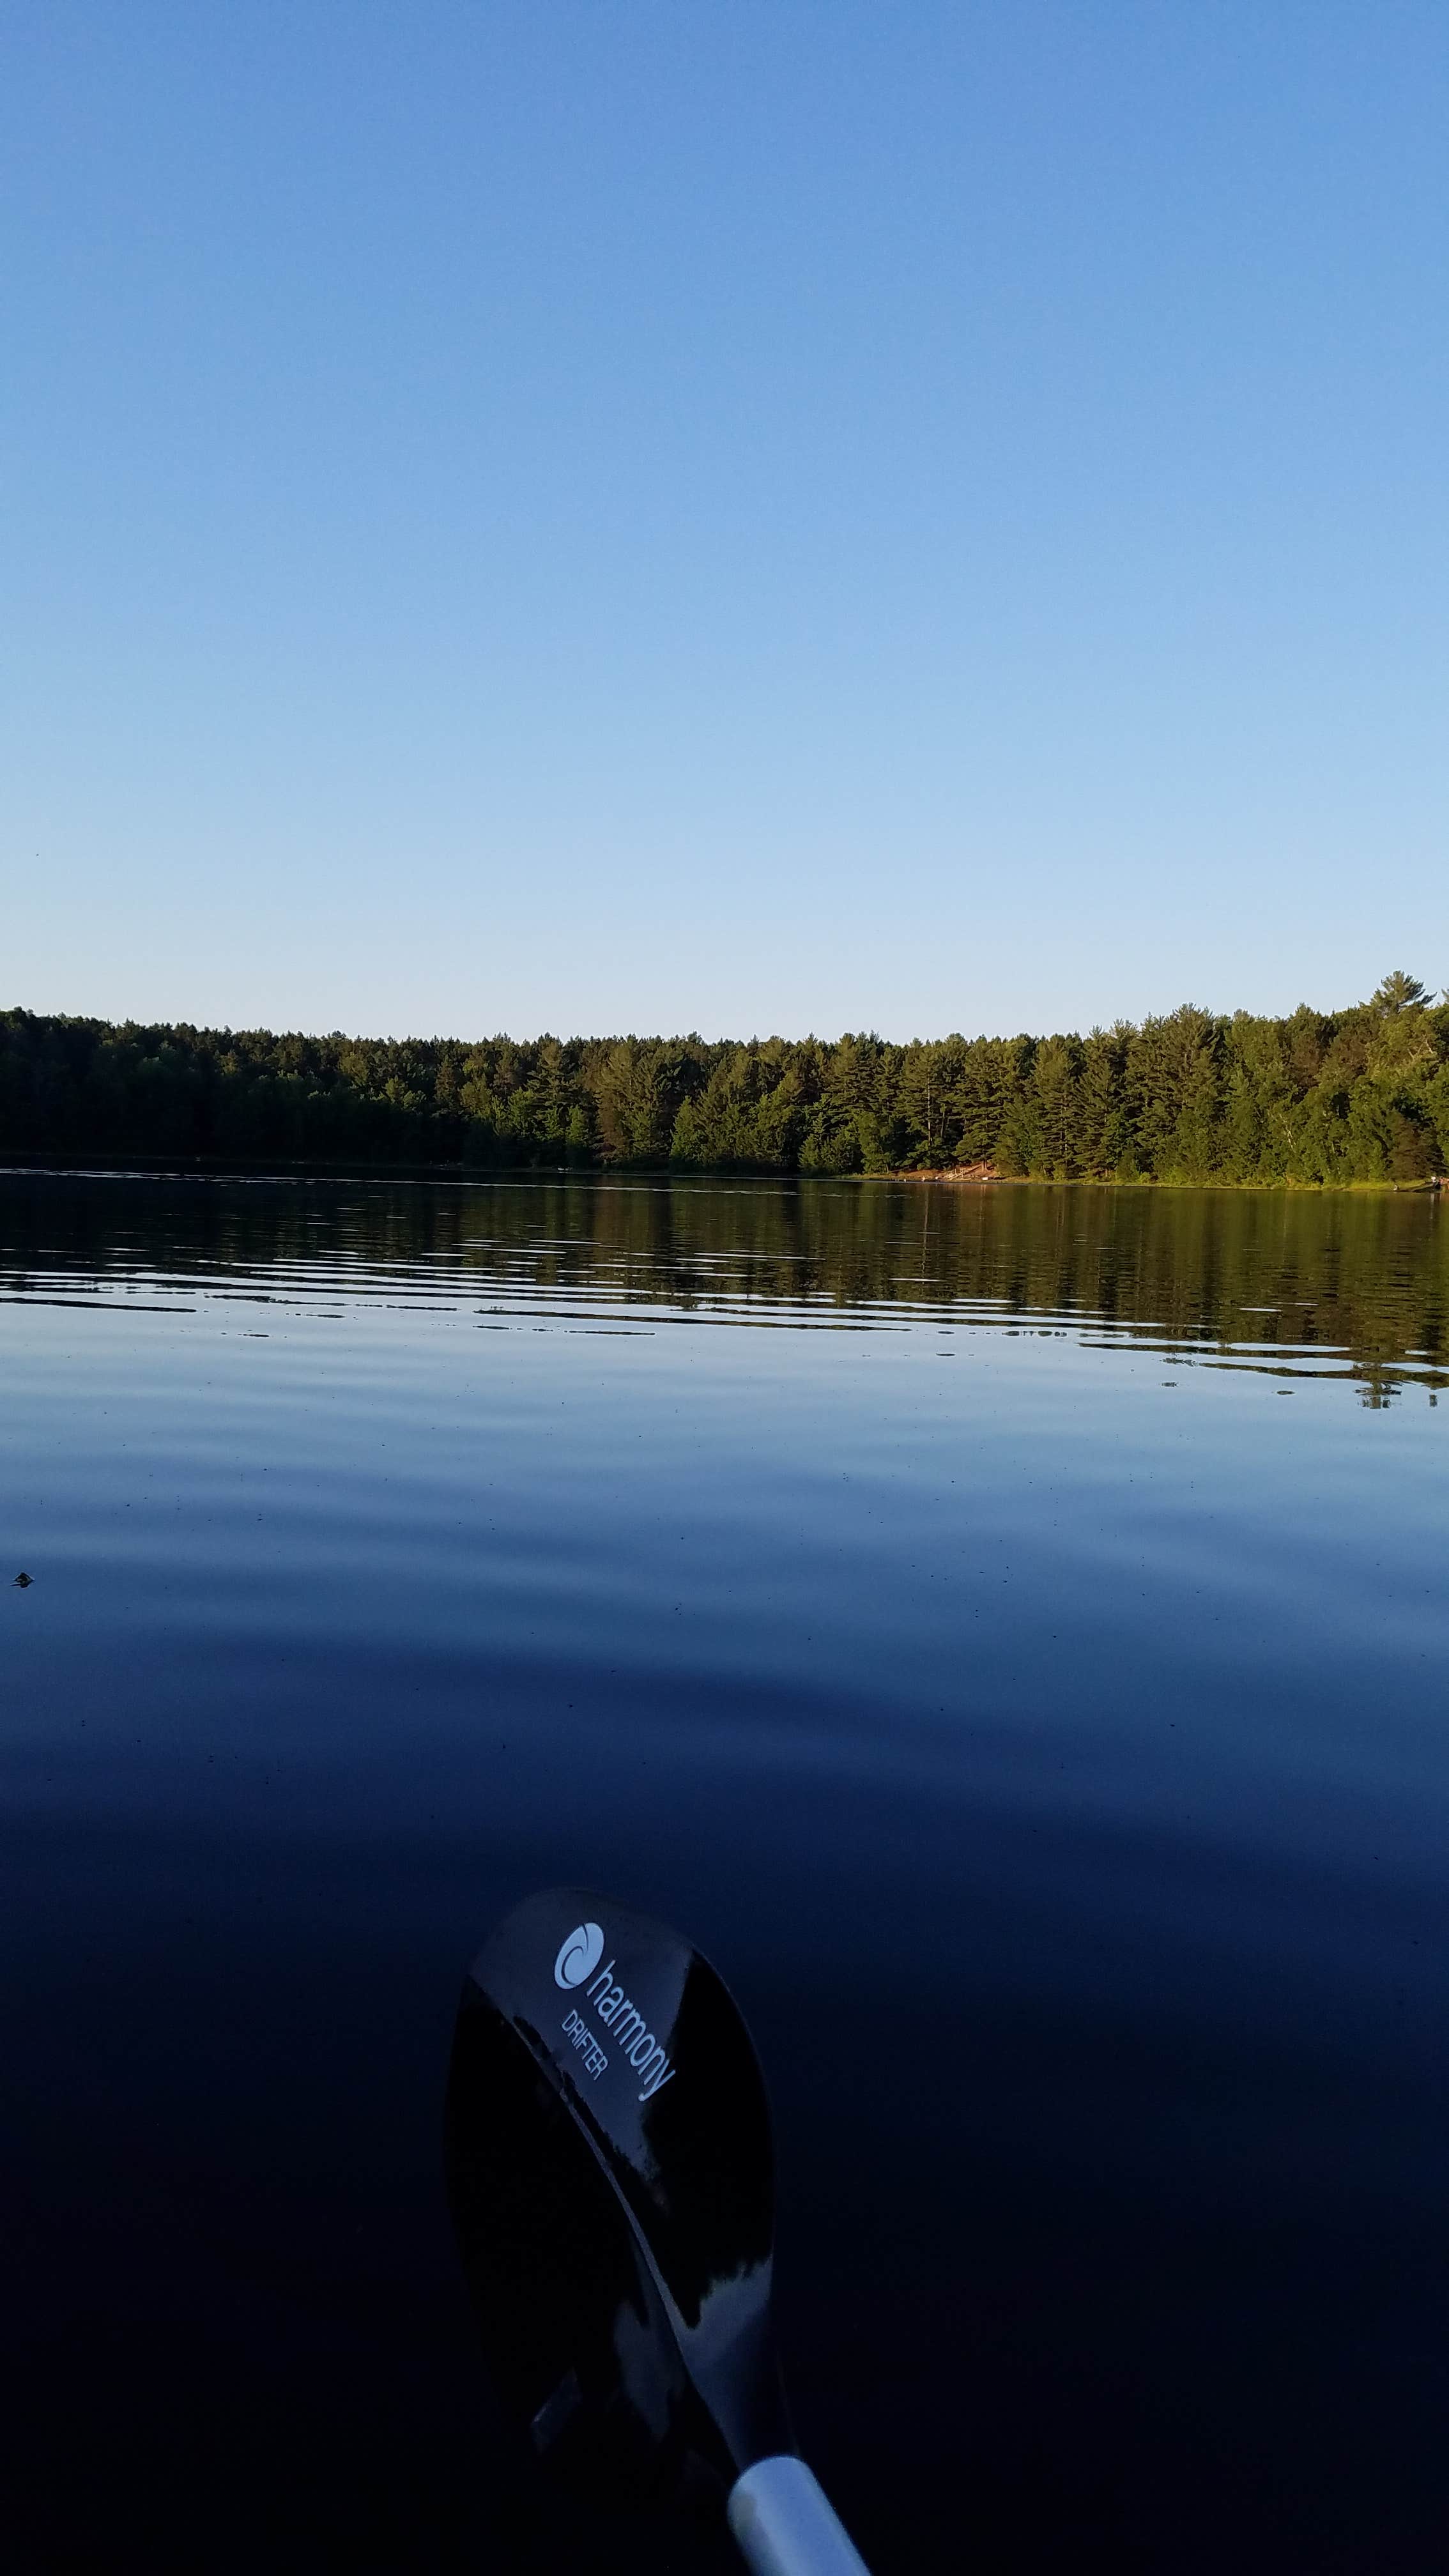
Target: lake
[(1005, 1628)]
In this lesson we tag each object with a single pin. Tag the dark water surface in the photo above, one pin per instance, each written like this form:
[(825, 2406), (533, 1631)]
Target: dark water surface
[(1005, 1629)]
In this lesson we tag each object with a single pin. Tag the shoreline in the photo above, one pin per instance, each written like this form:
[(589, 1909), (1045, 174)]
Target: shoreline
[(980, 1176)]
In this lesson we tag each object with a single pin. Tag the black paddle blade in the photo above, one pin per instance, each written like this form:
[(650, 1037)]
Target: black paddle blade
[(610, 2176)]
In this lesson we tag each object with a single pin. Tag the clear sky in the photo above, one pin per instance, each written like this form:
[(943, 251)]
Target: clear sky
[(727, 514)]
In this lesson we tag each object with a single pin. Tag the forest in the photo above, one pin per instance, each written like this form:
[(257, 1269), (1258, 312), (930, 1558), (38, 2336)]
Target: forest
[(1319, 1098)]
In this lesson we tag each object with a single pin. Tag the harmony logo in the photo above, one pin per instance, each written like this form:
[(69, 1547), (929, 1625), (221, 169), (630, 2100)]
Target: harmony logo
[(578, 1959), (579, 1956), (630, 2031)]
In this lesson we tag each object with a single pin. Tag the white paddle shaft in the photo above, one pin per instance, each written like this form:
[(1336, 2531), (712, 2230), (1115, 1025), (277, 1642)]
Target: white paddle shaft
[(786, 2526)]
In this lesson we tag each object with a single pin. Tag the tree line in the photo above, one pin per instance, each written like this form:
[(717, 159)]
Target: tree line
[(1318, 1097)]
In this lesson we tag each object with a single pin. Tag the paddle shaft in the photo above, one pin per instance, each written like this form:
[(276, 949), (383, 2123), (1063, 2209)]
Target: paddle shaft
[(786, 2525)]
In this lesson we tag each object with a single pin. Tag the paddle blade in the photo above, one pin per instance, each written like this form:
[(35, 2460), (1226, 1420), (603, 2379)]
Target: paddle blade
[(610, 2176)]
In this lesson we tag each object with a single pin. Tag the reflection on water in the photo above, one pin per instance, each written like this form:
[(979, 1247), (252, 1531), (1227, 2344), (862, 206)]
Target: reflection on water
[(1005, 1628), (1342, 1284)]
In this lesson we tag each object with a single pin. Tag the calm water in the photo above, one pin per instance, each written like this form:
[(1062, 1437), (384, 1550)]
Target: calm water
[(1005, 1629)]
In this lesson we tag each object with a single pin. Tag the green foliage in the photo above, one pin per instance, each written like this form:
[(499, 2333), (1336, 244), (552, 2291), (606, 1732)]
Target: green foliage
[(1318, 1097)]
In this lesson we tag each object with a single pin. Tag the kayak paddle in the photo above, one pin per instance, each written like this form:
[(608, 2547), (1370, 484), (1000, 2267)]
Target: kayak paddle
[(610, 2177)]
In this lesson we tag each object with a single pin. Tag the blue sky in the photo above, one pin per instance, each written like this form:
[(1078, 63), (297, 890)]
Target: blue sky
[(732, 515)]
